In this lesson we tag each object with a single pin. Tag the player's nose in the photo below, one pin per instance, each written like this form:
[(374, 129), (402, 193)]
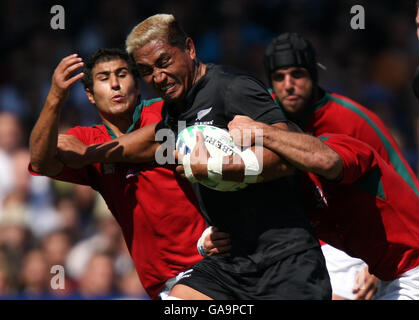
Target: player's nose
[(115, 82), (159, 77), (288, 82)]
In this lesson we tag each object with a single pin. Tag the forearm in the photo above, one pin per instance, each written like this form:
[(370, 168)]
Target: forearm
[(43, 139), (303, 151), (138, 146)]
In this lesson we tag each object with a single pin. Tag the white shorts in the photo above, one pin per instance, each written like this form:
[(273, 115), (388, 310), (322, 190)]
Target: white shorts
[(343, 270), (164, 293), (405, 287)]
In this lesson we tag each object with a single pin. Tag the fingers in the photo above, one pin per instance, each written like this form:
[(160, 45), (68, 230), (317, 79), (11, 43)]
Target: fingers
[(66, 68), (217, 235), (218, 243), (75, 78), (200, 144), (178, 156), (200, 152), (236, 135), (365, 285), (367, 291), (179, 159), (71, 68), (181, 171)]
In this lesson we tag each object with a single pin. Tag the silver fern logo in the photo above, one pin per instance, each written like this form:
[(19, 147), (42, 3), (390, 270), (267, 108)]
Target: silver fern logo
[(203, 113)]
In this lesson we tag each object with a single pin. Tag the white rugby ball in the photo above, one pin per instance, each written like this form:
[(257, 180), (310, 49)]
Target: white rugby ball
[(218, 143)]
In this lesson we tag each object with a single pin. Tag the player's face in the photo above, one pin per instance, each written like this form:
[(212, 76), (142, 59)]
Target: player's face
[(115, 90), (167, 69), (417, 23), (293, 88)]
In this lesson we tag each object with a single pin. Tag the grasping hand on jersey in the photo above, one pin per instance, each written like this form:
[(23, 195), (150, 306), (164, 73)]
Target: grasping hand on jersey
[(244, 130)]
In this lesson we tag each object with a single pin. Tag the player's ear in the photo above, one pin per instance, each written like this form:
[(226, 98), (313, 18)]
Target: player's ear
[(90, 96), (190, 48)]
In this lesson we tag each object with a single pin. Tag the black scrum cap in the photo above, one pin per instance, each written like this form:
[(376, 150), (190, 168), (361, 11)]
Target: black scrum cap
[(290, 50)]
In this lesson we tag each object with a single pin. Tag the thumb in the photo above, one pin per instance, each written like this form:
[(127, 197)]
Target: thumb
[(178, 157), (200, 138)]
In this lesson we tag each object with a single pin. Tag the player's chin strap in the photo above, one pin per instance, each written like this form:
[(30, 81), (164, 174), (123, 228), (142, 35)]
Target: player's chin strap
[(187, 167), (252, 169)]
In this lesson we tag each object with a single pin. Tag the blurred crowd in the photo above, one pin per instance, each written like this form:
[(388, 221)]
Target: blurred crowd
[(45, 223)]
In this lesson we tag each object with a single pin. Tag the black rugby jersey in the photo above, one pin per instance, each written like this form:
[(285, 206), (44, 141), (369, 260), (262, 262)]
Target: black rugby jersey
[(265, 221)]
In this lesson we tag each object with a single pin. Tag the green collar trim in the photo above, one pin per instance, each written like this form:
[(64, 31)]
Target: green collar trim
[(135, 117), (309, 112)]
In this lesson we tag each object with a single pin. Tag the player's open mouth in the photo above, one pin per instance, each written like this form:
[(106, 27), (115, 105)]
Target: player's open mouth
[(167, 89)]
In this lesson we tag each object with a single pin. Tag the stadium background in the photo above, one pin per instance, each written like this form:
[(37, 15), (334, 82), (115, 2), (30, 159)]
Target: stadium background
[(44, 223)]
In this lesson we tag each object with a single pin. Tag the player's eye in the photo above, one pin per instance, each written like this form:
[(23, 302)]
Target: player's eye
[(122, 74), (278, 77), (298, 74), (164, 63), (145, 71)]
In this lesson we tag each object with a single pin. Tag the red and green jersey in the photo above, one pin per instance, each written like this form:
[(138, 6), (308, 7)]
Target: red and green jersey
[(156, 209), (372, 213), (336, 114), (339, 114)]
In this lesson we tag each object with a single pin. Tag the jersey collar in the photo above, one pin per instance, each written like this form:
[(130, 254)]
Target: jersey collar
[(135, 118)]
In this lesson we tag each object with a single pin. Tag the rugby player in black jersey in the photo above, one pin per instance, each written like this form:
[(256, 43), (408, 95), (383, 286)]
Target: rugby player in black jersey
[(275, 254)]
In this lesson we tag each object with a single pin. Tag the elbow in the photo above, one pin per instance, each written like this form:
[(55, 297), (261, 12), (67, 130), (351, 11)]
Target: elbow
[(329, 166), (45, 167), (38, 166)]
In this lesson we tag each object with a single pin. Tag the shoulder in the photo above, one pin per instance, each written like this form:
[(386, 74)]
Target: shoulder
[(151, 111), (343, 104), (233, 78), (152, 104), (89, 134)]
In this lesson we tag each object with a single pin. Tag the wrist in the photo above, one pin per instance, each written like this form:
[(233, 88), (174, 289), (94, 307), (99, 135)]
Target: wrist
[(266, 136), (56, 96), (91, 154)]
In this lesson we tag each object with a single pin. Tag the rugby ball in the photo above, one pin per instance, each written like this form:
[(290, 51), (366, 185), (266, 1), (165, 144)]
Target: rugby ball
[(218, 143)]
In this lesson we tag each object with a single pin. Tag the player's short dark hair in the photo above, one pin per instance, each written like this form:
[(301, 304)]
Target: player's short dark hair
[(105, 55)]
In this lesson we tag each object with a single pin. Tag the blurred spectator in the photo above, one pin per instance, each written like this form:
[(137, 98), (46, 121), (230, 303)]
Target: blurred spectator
[(34, 275), (107, 238), (8, 278), (15, 234), (98, 280), (69, 217), (56, 246), (130, 287)]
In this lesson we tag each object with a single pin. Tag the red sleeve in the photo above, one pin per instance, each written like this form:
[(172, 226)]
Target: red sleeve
[(79, 176), (357, 157)]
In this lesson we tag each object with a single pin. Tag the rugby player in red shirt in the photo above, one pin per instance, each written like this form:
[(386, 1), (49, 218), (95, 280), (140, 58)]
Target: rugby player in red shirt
[(291, 67), (156, 210)]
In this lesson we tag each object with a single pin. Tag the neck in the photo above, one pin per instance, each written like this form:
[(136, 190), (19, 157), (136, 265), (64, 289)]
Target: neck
[(199, 71), (119, 124)]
